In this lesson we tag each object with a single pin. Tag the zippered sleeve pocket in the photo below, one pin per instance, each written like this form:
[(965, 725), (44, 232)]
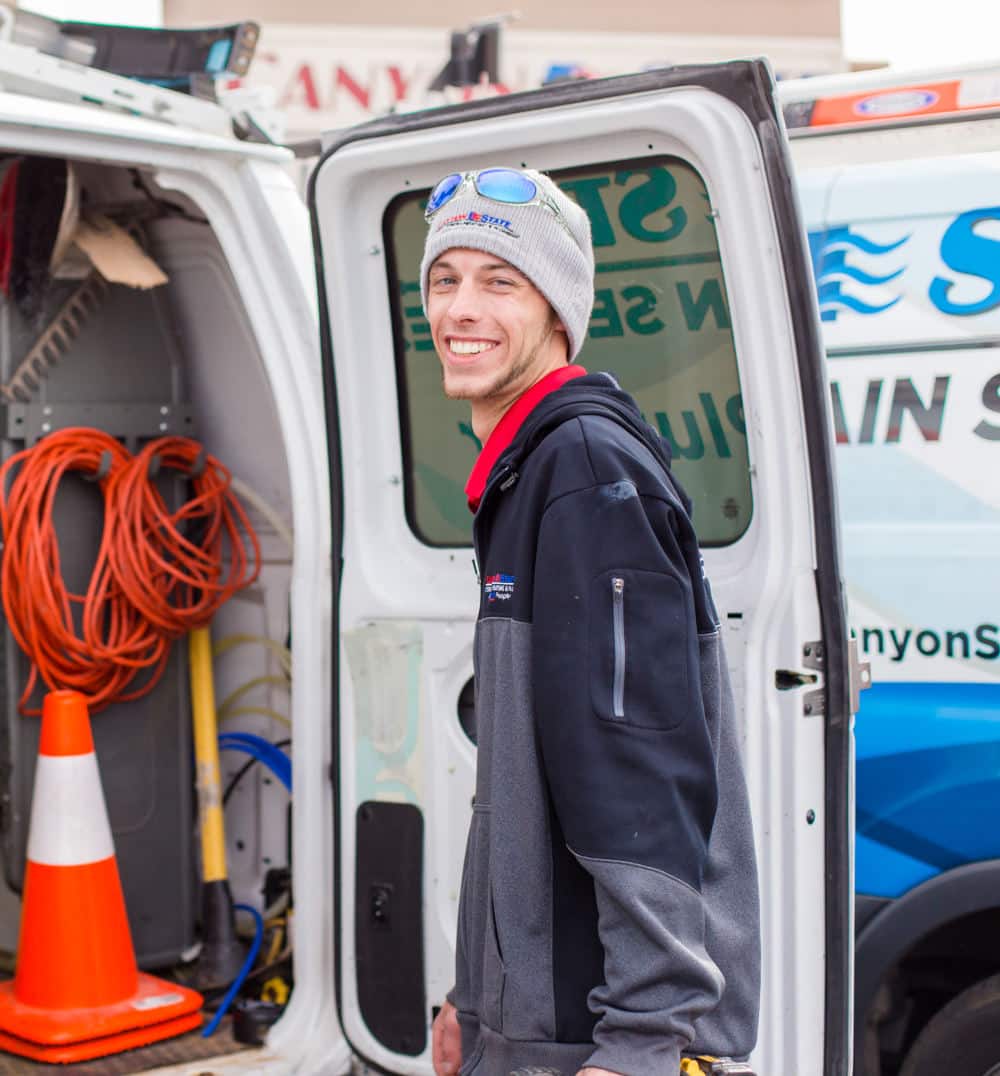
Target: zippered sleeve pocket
[(643, 649), (618, 637)]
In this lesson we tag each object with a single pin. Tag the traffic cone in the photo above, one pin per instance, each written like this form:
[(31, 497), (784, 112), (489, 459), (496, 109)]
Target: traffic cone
[(77, 992)]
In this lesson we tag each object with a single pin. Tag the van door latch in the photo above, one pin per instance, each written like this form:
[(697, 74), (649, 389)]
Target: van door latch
[(814, 657), (859, 672), (813, 702)]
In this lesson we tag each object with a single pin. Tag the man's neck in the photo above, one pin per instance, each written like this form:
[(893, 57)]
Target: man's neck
[(486, 414)]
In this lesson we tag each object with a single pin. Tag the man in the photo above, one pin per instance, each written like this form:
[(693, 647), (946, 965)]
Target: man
[(609, 915)]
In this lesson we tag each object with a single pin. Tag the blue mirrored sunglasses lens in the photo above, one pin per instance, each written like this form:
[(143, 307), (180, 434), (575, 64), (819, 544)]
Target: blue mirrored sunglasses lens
[(443, 191), (506, 185)]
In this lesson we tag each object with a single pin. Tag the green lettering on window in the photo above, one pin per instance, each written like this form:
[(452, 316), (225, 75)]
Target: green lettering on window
[(640, 203), (606, 310), (588, 194), (715, 425), (696, 309), (695, 448), (639, 316), (466, 430), (734, 412)]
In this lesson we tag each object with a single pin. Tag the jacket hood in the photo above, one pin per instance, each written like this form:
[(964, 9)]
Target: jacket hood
[(595, 394)]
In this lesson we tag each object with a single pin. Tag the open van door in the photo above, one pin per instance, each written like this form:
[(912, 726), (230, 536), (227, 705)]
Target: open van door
[(705, 311)]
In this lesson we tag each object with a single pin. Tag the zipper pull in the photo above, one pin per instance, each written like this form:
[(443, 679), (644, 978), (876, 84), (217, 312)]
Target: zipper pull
[(509, 481)]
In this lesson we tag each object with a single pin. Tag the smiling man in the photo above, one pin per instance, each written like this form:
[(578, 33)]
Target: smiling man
[(608, 921)]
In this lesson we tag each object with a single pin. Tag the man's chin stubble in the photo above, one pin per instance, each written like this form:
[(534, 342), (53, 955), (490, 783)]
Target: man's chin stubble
[(492, 392), (504, 379)]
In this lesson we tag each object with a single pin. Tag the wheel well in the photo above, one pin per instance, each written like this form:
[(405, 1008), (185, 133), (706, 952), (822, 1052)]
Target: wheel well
[(940, 965), (901, 977)]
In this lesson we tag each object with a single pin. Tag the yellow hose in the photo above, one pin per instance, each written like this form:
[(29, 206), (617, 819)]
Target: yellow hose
[(206, 754), (282, 653), (263, 711), (244, 689)]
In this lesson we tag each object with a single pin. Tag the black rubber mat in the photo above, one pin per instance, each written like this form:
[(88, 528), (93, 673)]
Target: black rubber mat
[(189, 1047)]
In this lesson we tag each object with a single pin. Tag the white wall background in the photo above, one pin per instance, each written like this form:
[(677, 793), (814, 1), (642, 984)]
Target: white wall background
[(911, 33), (124, 12)]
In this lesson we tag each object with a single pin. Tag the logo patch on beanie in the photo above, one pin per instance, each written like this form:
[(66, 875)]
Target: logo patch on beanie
[(479, 220)]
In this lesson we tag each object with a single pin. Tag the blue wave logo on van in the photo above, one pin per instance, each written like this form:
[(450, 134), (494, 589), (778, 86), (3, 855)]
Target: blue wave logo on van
[(843, 285)]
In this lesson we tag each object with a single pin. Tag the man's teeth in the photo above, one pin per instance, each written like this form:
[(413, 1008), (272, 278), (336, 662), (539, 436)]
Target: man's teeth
[(469, 347)]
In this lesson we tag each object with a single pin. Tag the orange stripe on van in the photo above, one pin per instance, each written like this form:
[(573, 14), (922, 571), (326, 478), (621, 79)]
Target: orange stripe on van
[(895, 102)]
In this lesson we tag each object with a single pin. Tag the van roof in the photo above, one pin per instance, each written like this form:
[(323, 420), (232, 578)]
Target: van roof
[(84, 119), (64, 88)]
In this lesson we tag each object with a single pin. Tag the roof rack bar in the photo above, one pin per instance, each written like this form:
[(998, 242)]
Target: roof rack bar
[(879, 98)]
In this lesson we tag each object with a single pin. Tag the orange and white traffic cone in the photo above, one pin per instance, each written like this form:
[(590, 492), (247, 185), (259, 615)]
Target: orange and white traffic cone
[(77, 992)]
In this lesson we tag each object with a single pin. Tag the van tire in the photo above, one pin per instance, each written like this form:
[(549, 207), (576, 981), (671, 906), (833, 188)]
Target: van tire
[(963, 1037)]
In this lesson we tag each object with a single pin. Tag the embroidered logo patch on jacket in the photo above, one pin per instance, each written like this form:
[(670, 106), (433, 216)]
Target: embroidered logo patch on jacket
[(499, 587)]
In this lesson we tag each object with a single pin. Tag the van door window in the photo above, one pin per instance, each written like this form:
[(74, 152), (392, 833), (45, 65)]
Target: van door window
[(660, 324)]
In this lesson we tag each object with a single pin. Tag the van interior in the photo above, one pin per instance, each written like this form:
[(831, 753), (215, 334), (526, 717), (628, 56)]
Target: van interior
[(119, 316)]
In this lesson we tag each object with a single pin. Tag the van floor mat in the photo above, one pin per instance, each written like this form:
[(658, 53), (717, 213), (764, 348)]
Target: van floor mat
[(189, 1047)]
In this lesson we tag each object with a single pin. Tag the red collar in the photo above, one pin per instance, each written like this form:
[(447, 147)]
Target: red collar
[(506, 429)]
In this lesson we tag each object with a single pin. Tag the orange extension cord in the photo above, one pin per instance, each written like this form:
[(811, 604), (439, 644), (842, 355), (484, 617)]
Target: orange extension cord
[(158, 574)]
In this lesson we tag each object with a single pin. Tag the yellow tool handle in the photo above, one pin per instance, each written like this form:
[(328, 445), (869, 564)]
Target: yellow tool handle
[(208, 779), (691, 1066)]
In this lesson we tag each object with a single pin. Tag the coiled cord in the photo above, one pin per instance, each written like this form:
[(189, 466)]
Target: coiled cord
[(159, 573)]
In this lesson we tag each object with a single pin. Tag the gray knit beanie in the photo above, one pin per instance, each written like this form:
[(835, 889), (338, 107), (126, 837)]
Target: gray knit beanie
[(554, 253)]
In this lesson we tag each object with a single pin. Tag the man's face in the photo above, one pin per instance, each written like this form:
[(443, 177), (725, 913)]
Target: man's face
[(494, 331)]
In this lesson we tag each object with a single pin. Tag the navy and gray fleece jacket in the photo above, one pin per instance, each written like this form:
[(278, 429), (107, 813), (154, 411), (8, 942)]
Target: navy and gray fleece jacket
[(609, 911)]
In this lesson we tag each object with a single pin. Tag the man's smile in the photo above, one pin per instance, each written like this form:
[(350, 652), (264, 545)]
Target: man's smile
[(465, 346)]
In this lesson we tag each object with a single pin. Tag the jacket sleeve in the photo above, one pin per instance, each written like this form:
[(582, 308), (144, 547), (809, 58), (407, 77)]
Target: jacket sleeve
[(629, 758)]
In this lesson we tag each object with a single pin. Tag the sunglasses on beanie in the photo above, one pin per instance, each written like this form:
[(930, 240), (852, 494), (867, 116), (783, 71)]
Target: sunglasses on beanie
[(507, 186)]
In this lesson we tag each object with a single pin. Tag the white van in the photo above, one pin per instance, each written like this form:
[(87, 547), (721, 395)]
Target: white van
[(332, 414), (898, 178)]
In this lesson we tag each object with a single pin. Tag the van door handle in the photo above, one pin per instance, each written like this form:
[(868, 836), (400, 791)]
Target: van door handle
[(789, 679)]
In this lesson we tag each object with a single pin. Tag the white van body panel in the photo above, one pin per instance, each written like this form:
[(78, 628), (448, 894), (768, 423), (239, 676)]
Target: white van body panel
[(907, 257), (903, 216)]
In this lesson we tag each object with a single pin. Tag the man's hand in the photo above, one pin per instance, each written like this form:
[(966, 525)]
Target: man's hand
[(446, 1042)]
